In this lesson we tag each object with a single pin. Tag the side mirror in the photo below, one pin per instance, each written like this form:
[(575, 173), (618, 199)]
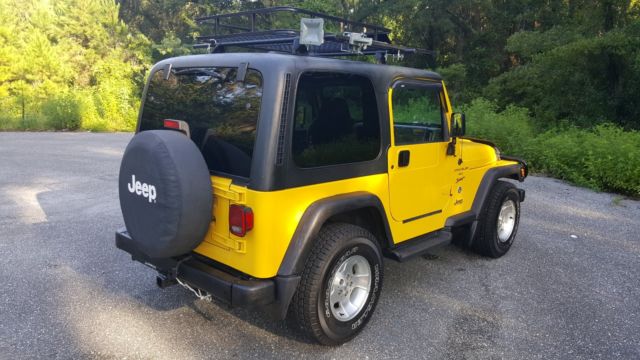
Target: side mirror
[(458, 125)]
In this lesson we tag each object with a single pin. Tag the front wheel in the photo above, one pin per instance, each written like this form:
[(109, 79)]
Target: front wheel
[(340, 284), (499, 221)]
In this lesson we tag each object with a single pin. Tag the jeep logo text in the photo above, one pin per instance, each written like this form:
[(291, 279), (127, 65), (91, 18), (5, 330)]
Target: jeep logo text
[(143, 189)]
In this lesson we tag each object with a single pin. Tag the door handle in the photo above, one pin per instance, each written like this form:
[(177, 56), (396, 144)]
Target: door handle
[(403, 158)]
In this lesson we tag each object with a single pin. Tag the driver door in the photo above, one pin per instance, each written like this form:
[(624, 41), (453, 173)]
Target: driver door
[(420, 172)]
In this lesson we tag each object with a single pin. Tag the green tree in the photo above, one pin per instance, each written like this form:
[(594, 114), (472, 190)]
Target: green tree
[(583, 72), (69, 63)]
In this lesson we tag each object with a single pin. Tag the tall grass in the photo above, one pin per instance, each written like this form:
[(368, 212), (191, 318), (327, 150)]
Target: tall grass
[(109, 109)]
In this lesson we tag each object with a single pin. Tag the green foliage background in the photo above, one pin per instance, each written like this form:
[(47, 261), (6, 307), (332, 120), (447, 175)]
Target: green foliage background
[(69, 64), (602, 157), (556, 81)]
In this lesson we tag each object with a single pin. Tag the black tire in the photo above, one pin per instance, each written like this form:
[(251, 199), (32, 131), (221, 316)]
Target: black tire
[(335, 244), (487, 241)]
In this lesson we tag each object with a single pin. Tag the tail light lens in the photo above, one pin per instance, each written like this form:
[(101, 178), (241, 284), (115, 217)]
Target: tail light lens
[(240, 220), (171, 124), (179, 125)]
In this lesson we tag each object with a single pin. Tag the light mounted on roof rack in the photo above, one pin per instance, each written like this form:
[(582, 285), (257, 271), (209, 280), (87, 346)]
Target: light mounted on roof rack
[(246, 30), (311, 31)]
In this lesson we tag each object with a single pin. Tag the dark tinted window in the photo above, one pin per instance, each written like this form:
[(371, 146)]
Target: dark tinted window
[(222, 113), (336, 120), (417, 114)]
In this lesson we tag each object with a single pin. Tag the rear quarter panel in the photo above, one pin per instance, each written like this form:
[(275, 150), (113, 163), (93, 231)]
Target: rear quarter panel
[(276, 216)]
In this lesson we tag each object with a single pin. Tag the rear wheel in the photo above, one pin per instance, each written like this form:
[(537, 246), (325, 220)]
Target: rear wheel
[(340, 284), (499, 221)]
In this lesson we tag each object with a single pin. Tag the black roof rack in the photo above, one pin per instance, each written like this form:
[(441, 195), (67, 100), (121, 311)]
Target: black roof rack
[(353, 37)]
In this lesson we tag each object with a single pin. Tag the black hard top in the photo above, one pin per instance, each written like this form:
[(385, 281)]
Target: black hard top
[(270, 62), (280, 73)]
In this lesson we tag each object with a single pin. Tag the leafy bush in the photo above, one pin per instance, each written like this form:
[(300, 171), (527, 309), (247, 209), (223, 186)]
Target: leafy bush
[(605, 157), (511, 129), (62, 112)]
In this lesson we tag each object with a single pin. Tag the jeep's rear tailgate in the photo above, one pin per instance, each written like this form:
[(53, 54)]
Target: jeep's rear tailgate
[(224, 195)]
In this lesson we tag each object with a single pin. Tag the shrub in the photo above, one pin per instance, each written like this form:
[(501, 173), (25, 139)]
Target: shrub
[(605, 157), (511, 129), (62, 112)]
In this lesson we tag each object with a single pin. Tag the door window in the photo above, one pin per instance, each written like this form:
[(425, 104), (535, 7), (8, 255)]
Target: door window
[(417, 114)]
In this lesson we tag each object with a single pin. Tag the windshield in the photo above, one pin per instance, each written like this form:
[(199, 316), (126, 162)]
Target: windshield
[(222, 113)]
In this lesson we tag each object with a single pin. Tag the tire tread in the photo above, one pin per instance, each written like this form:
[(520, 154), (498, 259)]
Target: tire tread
[(483, 244), (304, 303)]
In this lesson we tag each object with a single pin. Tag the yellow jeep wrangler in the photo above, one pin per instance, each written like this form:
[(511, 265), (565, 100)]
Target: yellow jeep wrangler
[(279, 179)]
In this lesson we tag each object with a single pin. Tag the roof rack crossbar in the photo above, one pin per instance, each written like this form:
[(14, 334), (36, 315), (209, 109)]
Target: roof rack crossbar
[(276, 9), (256, 34), (234, 27)]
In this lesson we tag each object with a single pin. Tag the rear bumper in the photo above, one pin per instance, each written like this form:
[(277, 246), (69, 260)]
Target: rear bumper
[(270, 295)]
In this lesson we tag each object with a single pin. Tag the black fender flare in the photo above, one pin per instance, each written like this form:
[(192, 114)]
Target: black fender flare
[(486, 184), (489, 179), (314, 218)]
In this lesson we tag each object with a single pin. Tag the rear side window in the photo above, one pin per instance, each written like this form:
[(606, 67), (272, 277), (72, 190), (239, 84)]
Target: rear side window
[(417, 114), (222, 113), (336, 120)]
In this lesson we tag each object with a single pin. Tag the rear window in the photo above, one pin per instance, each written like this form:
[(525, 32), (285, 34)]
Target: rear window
[(222, 113)]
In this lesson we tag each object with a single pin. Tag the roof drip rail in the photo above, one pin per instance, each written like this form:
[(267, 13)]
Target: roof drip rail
[(243, 30)]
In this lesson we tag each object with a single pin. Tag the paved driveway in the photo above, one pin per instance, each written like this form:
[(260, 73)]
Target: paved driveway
[(569, 287)]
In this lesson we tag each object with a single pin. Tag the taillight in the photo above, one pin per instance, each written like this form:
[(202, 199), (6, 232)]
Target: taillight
[(240, 219), (177, 125), (171, 124)]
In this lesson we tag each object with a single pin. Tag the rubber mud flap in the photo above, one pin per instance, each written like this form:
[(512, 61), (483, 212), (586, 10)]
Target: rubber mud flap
[(165, 193)]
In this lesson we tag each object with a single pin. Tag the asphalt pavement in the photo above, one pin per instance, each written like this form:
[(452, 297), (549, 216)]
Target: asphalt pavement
[(568, 289)]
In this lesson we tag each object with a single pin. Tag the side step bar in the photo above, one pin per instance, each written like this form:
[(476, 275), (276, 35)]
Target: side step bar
[(420, 245)]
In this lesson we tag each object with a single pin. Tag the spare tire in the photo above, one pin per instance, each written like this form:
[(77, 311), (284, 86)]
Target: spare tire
[(165, 193)]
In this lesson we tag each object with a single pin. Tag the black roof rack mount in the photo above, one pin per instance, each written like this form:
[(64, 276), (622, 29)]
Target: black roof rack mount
[(246, 29)]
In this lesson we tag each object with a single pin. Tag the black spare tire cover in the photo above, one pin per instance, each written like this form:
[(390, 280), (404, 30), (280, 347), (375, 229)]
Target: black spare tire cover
[(165, 193)]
